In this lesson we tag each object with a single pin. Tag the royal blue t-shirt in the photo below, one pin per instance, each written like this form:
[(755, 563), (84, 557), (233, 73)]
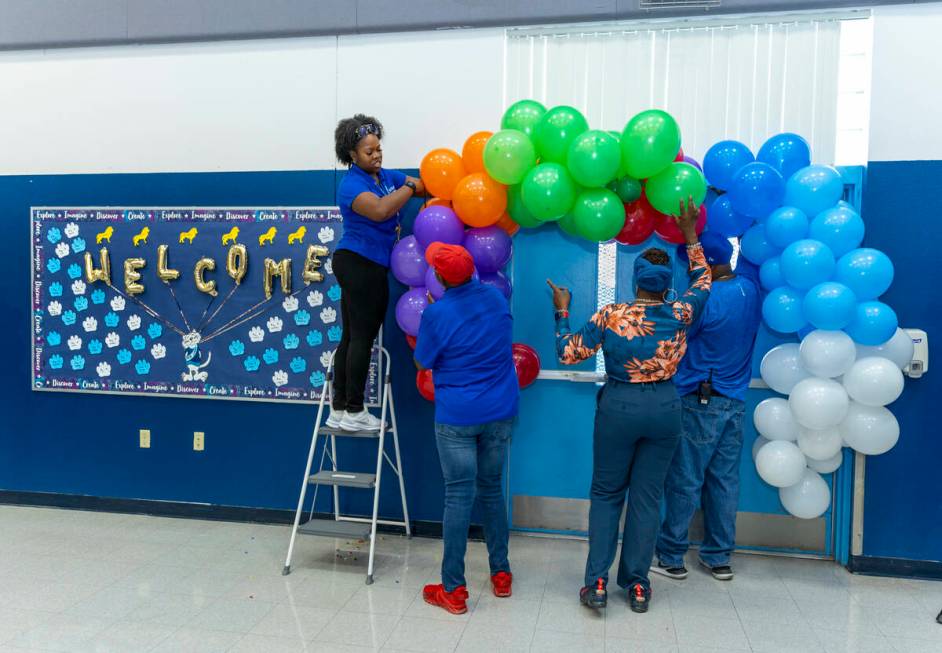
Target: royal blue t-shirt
[(466, 339), (372, 240), (722, 340)]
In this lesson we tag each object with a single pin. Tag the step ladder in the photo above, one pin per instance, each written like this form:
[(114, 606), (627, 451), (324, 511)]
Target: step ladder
[(350, 526)]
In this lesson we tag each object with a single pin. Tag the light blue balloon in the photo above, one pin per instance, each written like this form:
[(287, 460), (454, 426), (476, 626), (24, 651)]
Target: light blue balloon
[(786, 225), (722, 219), (839, 228), (830, 305), (755, 245), (874, 323), (723, 160), (785, 152), (806, 263), (770, 273), (814, 189), (782, 310), (866, 271), (756, 190)]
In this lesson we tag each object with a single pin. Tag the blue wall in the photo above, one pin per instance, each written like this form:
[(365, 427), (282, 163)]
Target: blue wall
[(903, 515)]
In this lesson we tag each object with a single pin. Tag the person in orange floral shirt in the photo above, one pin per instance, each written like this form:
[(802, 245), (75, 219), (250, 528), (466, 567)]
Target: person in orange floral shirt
[(637, 423)]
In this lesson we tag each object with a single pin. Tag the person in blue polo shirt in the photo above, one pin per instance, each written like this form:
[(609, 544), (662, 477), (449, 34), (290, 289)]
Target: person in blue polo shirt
[(370, 199), (466, 340), (712, 381)]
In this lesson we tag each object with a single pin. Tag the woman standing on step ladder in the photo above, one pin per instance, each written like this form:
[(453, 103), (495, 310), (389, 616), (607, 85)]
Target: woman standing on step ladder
[(370, 199)]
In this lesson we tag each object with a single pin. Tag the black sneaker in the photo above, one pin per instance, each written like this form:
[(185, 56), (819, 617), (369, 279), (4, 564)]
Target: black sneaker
[(678, 573), (639, 598), (594, 597), (720, 572)]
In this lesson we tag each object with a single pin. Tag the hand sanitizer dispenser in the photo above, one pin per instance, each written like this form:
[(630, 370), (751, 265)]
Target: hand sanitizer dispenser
[(920, 363)]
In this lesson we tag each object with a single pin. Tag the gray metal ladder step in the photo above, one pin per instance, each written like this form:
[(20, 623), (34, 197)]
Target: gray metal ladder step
[(340, 433), (333, 528), (343, 479)]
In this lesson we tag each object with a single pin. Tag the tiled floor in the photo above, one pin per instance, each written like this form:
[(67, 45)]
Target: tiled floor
[(93, 582)]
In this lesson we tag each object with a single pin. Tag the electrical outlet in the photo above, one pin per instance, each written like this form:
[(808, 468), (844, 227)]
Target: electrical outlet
[(145, 438), (198, 441)]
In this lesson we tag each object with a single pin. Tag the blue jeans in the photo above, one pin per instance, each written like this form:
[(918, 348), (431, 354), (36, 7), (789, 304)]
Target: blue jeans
[(472, 460), (636, 431), (705, 466)]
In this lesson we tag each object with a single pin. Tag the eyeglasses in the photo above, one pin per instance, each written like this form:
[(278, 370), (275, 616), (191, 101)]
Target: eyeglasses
[(368, 128)]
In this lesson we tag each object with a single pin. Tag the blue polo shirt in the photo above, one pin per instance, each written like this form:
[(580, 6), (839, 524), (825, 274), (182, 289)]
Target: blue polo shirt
[(722, 340), (466, 339), (372, 240)]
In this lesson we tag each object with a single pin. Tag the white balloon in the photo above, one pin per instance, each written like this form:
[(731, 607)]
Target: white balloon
[(758, 445), (820, 444), (780, 463), (818, 403), (781, 368), (774, 421), (827, 353), (874, 381), (871, 430), (828, 466), (898, 349), (810, 497)]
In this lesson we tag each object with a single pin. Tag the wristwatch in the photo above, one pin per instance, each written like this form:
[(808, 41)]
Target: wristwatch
[(411, 185)]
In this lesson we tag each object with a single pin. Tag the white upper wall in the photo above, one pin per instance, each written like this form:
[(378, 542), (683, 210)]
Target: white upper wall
[(907, 83)]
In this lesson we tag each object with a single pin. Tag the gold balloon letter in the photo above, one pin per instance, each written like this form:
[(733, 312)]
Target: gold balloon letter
[(103, 273), (132, 276), (237, 261), (312, 262), (280, 269), (208, 287), (164, 272)]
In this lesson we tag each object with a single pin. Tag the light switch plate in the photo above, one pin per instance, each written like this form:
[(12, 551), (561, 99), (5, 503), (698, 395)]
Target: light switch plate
[(145, 438), (198, 441)]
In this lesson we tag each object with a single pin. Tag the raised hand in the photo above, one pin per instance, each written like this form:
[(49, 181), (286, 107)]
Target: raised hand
[(561, 296)]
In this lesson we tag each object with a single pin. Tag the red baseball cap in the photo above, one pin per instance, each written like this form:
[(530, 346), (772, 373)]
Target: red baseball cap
[(452, 262)]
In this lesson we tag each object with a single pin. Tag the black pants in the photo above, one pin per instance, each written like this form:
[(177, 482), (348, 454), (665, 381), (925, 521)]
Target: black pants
[(363, 302)]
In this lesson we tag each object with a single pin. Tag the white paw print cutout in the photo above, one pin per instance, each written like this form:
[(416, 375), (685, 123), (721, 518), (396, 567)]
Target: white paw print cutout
[(62, 249), (134, 322), (89, 324), (315, 298), (117, 303), (328, 315), (279, 378), (158, 351), (54, 308), (78, 287), (257, 334), (325, 359), (112, 340), (290, 304), (74, 343), (103, 369), (329, 266), (71, 230), (325, 235), (274, 324)]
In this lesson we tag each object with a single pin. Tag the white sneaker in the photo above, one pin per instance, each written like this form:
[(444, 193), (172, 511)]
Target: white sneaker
[(335, 417), (362, 421)]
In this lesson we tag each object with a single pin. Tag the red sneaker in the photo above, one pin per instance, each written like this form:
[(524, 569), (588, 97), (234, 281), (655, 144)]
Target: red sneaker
[(454, 602), (502, 581)]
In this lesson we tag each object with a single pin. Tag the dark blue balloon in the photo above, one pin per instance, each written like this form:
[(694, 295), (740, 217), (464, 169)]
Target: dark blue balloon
[(723, 160), (757, 190), (786, 152), (722, 219)]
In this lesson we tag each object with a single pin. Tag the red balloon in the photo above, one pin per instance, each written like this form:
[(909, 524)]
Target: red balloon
[(423, 381), (527, 363), (411, 340), (640, 219), (680, 155), (667, 229)]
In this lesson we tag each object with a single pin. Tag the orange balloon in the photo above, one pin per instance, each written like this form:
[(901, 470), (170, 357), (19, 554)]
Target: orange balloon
[(472, 154), (507, 224), (479, 200), (436, 201), (441, 170)]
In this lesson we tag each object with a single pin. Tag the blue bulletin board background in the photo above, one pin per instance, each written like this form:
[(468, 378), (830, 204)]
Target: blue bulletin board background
[(89, 336)]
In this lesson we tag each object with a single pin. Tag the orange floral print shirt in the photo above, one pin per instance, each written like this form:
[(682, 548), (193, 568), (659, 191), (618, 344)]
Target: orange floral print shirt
[(642, 343)]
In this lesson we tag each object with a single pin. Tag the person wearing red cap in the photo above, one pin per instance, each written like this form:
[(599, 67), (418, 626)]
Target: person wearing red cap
[(466, 340)]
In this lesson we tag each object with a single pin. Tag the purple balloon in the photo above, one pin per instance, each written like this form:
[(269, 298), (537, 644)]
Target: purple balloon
[(498, 280), (435, 287), (438, 224), (490, 247), (692, 161), (408, 262), (409, 310)]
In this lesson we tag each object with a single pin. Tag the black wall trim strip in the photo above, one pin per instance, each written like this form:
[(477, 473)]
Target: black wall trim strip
[(897, 567)]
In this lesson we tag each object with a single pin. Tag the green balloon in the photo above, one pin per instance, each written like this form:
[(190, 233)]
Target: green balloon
[(627, 188), (668, 188), (523, 116), (593, 158), (548, 191), (598, 214), (555, 131), (649, 142), (622, 162), (568, 224), (508, 156), (518, 212)]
